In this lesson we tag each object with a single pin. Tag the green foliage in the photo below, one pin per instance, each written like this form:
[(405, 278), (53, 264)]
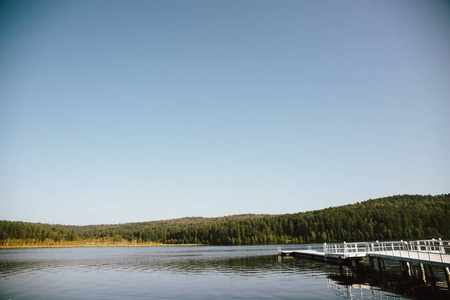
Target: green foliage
[(392, 218)]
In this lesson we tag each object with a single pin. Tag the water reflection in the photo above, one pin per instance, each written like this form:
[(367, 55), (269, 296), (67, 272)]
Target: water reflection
[(158, 273), (185, 260), (360, 291), (253, 271), (344, 282), (188, 265), (369, 283)]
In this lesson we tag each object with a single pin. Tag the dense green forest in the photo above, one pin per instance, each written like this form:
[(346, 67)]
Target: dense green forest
[(392, 218)]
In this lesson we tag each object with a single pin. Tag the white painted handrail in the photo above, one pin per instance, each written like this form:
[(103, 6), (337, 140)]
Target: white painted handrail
[(419, 250)]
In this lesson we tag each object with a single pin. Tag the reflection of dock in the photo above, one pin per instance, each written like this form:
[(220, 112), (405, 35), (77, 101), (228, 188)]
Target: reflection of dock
[(416, 257), (360, 291)]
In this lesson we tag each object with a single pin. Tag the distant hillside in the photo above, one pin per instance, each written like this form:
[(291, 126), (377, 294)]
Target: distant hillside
[(392, 218)]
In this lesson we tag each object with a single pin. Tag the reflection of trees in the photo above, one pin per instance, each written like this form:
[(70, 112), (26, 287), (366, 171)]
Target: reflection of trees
[(242, 266), (184, 264), (179, 262)]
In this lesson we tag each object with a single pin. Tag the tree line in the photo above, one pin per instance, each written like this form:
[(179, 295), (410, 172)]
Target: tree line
[(399, 217)]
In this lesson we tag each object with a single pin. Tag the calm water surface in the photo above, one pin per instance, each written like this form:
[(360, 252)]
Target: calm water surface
[(202, 272)]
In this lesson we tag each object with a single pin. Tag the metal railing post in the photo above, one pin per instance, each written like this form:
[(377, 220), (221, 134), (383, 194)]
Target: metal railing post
[(441, 249), (345, 249), (429, 248), (407, 249), (418, 249)]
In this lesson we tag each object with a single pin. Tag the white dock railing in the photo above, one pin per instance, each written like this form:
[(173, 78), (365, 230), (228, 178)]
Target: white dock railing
[(437, 251)]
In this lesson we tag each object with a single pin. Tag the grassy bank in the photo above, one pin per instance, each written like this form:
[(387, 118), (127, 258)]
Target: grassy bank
[(97, 246), (20, 244)]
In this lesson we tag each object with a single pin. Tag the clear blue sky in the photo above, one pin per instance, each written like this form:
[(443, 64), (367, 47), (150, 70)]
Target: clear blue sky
[(126, 111)]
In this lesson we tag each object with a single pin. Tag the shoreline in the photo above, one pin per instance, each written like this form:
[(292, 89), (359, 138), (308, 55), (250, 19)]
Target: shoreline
[(96, 246)]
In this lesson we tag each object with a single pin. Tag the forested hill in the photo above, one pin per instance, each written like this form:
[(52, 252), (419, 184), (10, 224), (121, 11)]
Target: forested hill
[(393, 218)]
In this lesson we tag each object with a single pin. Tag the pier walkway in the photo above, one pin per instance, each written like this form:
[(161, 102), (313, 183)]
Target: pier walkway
[(428, 252)]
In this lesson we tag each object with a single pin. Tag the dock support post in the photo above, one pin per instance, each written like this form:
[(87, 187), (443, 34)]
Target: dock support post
[(406, 269), (422, 273), (381, 264), (415, 271), (341, 268), (447, 276), (371, 262), (403, 266), (432, 279), (430, 275)]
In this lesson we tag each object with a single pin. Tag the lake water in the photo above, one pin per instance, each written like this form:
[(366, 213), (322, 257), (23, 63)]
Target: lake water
[(200, 272)]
